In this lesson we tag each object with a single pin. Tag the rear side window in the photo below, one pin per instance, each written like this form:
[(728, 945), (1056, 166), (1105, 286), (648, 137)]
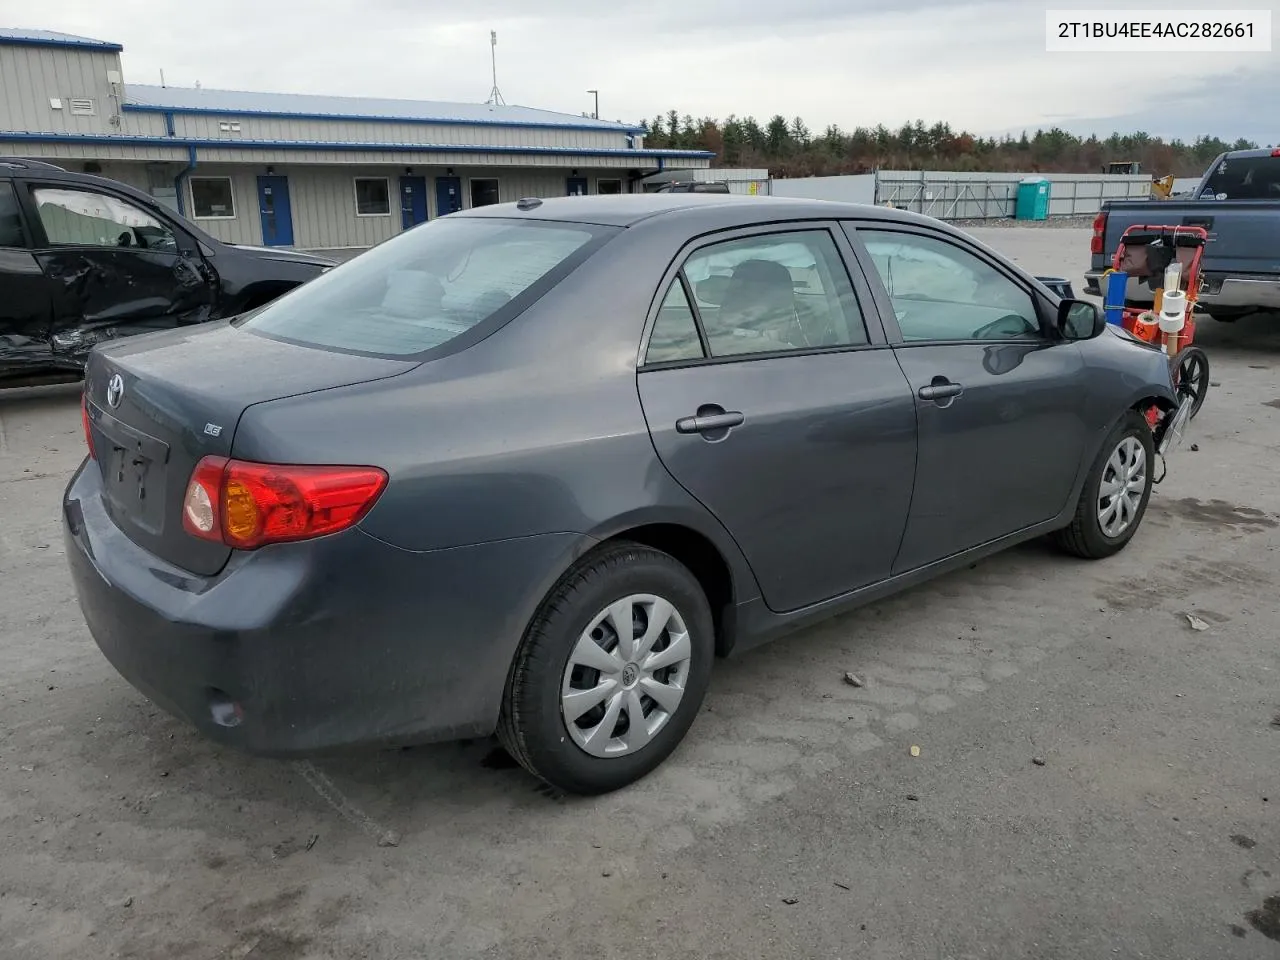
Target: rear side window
[(675, 331), (1245, 178), (426, 286), (10, 224)]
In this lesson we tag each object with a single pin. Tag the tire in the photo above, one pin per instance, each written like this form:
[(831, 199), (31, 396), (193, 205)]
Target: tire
[(1086, 536), (1191, 372), (592, 753), (1226, 315)]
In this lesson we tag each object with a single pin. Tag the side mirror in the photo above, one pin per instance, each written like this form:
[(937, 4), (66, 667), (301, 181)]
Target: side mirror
[(1080, 320)]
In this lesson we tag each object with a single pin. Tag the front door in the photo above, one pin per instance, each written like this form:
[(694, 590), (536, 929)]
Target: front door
[(448, 195), (277, 217), (413, 201), (1002, 426), (27, 293), (577, 186), (771, 401), (114, 267)]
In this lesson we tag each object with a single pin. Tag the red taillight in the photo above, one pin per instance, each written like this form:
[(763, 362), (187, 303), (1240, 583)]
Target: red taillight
[(84, 419), (246, 505), (1099, 232), (1276, 152)]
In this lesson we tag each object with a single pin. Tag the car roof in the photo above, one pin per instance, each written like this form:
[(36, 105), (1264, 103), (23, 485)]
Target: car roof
[(716, 209)]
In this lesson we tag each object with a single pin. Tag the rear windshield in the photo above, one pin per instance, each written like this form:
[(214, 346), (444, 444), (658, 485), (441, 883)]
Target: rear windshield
[(429, 285), (1244, 178)]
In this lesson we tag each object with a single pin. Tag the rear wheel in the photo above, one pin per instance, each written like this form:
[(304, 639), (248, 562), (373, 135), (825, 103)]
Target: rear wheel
[(1115, 494), (611, 672), (1224, 315)]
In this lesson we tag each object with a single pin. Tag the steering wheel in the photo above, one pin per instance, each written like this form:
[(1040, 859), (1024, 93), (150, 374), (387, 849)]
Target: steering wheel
[(1009, 327)]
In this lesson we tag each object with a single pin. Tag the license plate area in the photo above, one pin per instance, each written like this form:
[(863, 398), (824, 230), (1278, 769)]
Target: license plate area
[(133, 474)]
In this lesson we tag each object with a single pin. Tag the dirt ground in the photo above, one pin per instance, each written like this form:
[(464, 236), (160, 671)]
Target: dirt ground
[(1096, 778)]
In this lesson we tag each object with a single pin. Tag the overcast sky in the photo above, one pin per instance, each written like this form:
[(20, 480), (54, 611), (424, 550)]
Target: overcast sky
[(980, 66)]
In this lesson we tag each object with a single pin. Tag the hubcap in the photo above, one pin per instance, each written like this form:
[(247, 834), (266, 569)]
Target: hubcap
[(1124, 481), (626, 676)]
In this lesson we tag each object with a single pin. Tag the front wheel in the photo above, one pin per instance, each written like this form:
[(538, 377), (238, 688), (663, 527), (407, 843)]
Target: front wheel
[(611, 672), (1115, 494)]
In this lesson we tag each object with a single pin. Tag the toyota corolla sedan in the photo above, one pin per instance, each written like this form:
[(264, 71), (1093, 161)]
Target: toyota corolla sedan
[(532, 468)]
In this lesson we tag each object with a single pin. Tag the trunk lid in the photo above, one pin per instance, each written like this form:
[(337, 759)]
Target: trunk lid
[(179, 397)]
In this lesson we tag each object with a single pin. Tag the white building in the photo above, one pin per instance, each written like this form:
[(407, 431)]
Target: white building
[(319, 172)]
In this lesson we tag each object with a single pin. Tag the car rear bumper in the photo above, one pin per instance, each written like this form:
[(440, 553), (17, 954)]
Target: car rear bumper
[(1228, 293), (308, 647)]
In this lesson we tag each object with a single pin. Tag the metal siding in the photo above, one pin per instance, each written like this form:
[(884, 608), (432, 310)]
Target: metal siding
[(30, 76), (54, 152), (208, 127)]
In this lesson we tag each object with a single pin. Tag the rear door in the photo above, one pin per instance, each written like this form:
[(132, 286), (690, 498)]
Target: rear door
[(114, 266), (999, 398), (772, 398), (25, 301)]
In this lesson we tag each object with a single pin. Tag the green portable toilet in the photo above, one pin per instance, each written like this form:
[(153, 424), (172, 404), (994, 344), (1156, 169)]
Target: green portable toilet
[(1033, 199)]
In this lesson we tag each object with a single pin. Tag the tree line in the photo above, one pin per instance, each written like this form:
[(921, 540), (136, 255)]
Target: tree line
[(790, 149)]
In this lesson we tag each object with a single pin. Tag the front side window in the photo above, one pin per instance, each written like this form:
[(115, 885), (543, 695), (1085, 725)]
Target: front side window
[(10, 222), (212, 198), (484, 193), (426, 286), (84, 218), (942, 292), (781, 291), (373, 197), (675, 331)]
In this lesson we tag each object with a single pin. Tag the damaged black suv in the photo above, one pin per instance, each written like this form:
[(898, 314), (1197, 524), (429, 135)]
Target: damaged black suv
[(85, 259)]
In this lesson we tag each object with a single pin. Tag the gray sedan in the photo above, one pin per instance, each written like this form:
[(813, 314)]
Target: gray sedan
[(532, 468)]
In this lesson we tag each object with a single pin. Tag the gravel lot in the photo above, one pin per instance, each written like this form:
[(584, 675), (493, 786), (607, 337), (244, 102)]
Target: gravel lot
[(793, 823)]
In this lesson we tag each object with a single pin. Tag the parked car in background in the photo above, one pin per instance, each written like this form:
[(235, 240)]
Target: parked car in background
[(85, 259), (1238, 202), (531, 467), (694, 186)]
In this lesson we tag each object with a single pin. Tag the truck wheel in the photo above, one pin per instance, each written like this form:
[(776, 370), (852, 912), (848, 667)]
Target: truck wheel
[(1226, 316)]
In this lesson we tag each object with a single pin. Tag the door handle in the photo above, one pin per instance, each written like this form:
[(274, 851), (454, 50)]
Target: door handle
[(708, 423), (940, 389)]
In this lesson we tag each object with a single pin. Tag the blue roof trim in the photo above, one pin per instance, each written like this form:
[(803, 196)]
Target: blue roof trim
[(348, 147), (362, 118), (17, 39)]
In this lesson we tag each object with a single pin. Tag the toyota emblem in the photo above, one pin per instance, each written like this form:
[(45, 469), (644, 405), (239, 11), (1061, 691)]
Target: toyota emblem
[(115, 391)]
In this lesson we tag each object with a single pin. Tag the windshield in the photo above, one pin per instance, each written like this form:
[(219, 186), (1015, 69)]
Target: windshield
[(1244, 178), (429, 285)]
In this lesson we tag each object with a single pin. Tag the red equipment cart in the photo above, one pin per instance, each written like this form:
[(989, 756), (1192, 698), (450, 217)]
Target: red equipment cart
[(1144, 252)]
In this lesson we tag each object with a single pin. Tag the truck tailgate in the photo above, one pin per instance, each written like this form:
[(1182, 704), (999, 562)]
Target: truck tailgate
[(1244, 235)]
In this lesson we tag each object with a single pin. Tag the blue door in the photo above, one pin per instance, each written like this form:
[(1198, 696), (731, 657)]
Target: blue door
[(277, 217), (448, 195), (413, 201), (577, 186)]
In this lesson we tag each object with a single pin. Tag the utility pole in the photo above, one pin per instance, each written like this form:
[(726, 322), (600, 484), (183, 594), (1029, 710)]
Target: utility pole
[(495, 95), (596, 114)]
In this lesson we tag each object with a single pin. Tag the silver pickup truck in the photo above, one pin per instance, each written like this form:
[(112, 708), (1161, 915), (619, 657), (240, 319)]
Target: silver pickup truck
[(1238, 203)]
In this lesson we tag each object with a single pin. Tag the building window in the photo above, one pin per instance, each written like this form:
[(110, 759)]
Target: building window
[(212, 198), (484, 192), (373, 197), (608, 186)]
